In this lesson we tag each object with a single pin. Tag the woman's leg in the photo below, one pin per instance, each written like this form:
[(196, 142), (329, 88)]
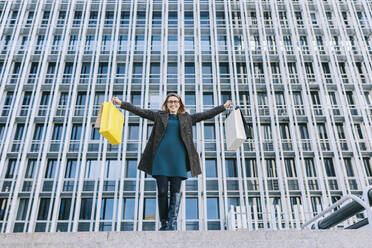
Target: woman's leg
[(162, 182), (175, 200)]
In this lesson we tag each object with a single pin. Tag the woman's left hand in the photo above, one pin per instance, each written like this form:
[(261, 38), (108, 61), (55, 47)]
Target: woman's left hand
[(227, 104)]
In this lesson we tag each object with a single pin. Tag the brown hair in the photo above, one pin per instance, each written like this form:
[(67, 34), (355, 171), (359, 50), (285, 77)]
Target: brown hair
[(181, 109)]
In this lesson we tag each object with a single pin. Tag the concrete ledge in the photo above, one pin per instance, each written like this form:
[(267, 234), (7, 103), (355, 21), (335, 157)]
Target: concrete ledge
[(191, 239)]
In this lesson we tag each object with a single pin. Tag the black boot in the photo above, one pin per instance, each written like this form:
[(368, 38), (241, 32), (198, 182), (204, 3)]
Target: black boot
[(163, 212), (174, 206)]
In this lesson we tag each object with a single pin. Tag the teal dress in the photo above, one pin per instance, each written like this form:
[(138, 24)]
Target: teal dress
[(171, 156)]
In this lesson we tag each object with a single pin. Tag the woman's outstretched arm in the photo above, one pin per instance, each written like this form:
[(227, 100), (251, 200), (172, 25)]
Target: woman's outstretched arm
[(210, 113), (144, 113)]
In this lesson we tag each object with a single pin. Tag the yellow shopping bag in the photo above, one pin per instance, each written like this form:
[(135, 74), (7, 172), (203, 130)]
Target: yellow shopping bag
[(110, 123)]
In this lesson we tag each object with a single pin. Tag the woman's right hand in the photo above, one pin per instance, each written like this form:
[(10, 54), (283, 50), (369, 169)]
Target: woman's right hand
[(116, 100)]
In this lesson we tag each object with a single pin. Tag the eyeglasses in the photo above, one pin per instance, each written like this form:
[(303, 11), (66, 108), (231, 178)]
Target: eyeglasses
[(175, 102)]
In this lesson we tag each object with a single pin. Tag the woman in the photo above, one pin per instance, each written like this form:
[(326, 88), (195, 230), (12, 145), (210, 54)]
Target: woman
[(170, 151)]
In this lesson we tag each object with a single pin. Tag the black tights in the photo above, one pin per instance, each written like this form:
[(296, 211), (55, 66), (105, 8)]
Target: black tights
[(175, 187)]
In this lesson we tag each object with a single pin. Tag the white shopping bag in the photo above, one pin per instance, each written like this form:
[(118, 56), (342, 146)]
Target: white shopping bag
[(235, 130)]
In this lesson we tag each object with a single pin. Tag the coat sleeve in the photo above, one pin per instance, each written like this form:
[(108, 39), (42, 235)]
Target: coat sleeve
[(207, 114), (144, 113)]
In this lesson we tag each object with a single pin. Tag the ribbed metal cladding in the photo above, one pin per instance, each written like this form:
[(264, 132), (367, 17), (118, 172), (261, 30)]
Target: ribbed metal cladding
[(300, 71)]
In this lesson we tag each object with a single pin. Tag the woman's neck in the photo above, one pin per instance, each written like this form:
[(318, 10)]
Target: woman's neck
[(172, 112)]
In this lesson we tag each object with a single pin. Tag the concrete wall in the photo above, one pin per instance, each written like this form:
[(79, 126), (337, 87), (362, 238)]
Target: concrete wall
[(192, 239)]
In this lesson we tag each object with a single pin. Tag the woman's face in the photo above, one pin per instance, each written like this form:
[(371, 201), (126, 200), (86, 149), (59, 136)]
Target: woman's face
[(173, 104)]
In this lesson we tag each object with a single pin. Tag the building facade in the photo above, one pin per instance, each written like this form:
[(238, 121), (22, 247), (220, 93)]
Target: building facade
[(300, 71)]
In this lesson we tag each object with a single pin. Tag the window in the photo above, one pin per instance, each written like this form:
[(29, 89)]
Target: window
[(322, 131), (3, 204), (205, 44), (70, 169), (107, 208), (210, 168), (131, 169), (330, 170), (57, 132), (367, 166), (231, 170), (32, 167), (50, 171), (189, 68), (92, 169), (137, 68), (189, 18), (43, 209), (133, 132), (271, 168), (209, 132), (112, 169), (63, 99), (290, 167), (109, 17), (76, 131), (86, 208), (128, 208), (22, 209), (27, 98), (224, 68), (64, 209), (220, 18), (233, 201), (141, 17), (208, 99), (172, 44), (124, 17), (140, 43), (204, 17), (2, 130), (94, 133), (68, 68), (123, 42), (93, 17), (251, 167), (172, 17), (189, 43), (156, 17), (284, 131), (212, 208), (38, 131), (11, 169), (303, 131), (149, 209), (310, 167), (192, 208), (19, 132), (349, 167)]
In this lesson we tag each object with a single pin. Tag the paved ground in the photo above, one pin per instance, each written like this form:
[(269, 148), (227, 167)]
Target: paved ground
[(193, 239)]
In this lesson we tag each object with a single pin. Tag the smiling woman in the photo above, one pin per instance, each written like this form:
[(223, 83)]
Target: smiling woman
[(170, 151)]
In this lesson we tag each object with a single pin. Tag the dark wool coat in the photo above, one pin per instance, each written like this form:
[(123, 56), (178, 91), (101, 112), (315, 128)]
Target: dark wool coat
[(160, 119)]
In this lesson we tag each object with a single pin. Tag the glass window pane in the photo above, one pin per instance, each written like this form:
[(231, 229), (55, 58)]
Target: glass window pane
[(192, 208), (43, 209), (64, 210), (131, 169), (86, 208), (149, 209), (128, 207), (107, 207), (92, 169), (231, 170), (113, 169), (212, 208), (210, 168)]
